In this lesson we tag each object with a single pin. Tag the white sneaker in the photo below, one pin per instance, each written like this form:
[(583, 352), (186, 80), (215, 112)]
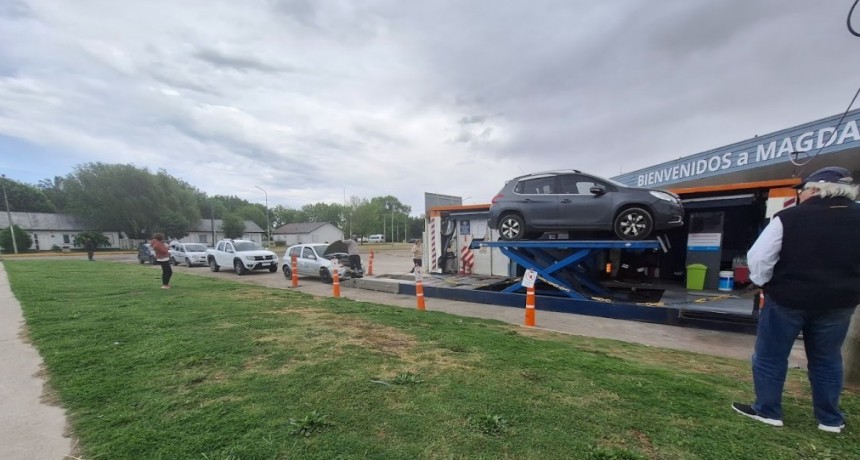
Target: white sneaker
[(831, 429)]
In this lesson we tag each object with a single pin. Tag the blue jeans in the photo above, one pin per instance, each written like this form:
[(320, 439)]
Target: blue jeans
[(823, 334)]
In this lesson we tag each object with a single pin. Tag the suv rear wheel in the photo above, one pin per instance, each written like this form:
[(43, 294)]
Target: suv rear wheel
[(511, 227), (633, 224)]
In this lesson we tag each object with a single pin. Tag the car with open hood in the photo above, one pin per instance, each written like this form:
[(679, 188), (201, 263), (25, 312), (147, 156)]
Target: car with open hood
[(319, 260)]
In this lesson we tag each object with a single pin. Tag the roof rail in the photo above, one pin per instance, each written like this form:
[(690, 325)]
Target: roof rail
[(554, 171)]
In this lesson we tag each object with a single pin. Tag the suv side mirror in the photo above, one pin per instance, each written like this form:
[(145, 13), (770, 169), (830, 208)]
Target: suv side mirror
[(597, 190)]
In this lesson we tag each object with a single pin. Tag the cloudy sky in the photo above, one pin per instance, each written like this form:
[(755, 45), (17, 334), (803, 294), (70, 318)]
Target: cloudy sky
[(318, 100)]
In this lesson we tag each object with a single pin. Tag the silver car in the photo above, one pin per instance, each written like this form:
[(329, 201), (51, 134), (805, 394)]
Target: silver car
[(312, 260), (573, 201), (189, 253)]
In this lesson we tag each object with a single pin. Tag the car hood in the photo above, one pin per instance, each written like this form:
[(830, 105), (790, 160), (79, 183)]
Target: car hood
[(258, 252), (337, 247)]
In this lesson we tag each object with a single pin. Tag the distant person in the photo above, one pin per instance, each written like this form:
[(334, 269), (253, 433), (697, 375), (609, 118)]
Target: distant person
[(417, 255), (162, 257), (807, 261)]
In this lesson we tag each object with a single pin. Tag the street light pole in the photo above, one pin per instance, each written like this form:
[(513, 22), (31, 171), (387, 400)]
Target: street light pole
[(9, 216), (268, 226)]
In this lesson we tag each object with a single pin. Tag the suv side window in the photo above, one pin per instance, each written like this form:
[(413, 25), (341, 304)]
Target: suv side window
[(571, 184), (295, 252), (307, 253), (539, 186)]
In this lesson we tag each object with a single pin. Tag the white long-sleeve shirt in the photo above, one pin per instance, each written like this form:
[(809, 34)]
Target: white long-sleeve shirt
[(764, 253)]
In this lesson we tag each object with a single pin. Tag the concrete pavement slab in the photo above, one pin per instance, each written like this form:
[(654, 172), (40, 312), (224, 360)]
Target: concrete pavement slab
[(29, 428)]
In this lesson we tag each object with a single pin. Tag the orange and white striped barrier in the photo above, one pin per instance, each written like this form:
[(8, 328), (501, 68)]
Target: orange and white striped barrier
[(335, 283), (294, 263), (370, 264), (530, 306), (419, 292)]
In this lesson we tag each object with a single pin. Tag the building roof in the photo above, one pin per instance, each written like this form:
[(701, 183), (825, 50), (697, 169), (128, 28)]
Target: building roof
[(205, 225), (42, 221), (300, 228)]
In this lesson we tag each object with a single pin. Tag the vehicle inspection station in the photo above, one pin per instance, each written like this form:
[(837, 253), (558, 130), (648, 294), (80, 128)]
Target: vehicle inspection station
[(694, 274)]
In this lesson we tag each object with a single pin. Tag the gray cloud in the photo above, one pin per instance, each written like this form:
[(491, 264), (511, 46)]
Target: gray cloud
[(313, 100), (15, 9), (238, 62)]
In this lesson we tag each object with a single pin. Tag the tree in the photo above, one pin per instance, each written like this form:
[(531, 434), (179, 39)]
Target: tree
[(53, 190), (128, 199), (174, 225), (282, 216), (24, 198), (254, 213), (416, 226), (363, 217), (90, 240), (22, 239), (233, 226), (324, 212)]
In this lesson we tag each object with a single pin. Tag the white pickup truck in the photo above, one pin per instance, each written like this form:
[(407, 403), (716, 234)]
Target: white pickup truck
[(242, 255)]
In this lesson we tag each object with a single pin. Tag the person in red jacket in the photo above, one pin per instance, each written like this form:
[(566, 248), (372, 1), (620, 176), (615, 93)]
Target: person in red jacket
[(162, 257)]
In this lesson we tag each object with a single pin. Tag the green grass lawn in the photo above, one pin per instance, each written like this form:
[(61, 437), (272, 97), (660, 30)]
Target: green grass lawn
[(216, 369)]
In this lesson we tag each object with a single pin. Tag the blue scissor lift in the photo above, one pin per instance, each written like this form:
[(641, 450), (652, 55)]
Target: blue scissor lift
[(567, 265)]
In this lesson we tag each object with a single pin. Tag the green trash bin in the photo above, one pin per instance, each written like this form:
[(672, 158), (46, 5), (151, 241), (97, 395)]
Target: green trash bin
[(696, 276)]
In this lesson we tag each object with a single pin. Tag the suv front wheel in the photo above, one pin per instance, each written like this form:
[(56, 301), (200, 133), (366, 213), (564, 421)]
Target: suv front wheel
[(633, 224), (511, 227)]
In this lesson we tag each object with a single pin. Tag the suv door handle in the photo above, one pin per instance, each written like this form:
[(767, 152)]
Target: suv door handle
[(566, 200)]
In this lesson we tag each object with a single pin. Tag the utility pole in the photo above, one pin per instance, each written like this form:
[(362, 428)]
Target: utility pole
[(9, 216), (212, 221), (268, 226)]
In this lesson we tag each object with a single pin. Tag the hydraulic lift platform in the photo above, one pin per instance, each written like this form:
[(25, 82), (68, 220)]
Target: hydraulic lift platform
[(567, 265)]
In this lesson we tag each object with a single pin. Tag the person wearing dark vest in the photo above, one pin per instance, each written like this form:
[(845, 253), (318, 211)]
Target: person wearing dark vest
[(807, 262)]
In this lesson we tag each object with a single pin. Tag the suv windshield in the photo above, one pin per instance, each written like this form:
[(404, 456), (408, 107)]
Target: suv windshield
[(195, 248), (246, 246)]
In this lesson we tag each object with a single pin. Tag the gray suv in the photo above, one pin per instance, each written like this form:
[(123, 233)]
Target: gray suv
[(570, 200)]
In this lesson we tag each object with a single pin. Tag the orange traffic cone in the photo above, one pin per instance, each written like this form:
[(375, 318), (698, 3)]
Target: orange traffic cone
[(419, 293), (335, 284), (370, 264), (530, 307), (294, 263)]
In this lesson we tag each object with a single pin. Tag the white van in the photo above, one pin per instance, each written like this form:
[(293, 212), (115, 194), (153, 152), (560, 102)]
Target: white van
[(376, 239)]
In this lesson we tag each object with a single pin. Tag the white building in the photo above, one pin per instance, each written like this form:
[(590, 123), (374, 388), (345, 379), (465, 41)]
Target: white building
[(307, 232), (56, 231)]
